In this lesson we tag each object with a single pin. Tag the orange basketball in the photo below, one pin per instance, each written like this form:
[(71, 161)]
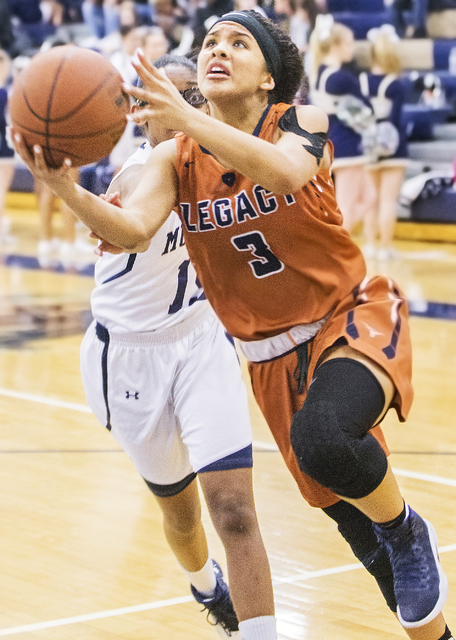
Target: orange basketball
[(70, 101)]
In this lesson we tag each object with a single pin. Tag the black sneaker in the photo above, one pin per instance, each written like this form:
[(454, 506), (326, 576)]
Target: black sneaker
[(420, 586), (220, 611)]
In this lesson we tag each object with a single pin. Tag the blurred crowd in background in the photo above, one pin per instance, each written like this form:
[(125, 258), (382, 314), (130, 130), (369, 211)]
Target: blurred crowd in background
[(180, 25), (116, 28)]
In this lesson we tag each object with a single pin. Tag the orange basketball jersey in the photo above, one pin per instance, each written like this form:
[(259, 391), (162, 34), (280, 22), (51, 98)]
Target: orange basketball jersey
[(267, 262)]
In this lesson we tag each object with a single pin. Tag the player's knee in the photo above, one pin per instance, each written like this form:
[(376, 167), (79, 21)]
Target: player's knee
[(329, 434), (232, 516), (318, 443), (183, 522)]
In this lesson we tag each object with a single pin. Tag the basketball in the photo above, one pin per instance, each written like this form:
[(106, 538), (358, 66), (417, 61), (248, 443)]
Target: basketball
[(70, 101)]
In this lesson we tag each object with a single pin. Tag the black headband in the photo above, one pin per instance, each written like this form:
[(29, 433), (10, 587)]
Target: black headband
[(266, 42)]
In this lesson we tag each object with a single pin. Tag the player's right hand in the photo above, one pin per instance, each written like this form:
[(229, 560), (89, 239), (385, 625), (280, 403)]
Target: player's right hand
[(37, 164)]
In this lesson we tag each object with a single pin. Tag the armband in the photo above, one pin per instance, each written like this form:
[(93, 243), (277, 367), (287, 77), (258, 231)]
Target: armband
[(289, 122)]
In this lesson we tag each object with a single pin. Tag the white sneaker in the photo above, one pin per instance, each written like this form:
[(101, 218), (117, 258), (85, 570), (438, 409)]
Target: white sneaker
[(5, 226), (82, 246), (7, 239), (369, 251), (44, 254), (68, 255), (44, 247)]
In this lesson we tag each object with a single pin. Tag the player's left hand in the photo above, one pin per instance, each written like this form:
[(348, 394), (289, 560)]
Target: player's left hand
[(164, 102), (104, 246)]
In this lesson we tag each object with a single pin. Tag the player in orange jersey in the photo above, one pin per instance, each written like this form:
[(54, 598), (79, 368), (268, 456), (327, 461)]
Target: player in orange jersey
[(329, 350)]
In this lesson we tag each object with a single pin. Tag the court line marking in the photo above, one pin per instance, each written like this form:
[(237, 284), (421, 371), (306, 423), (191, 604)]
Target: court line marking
[(53, 402), (264, 446), (427, 477), (167, 603), (308, 575), (26, 628)]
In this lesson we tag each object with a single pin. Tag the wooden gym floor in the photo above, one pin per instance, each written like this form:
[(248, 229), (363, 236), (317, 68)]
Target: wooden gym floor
[(82, 554)]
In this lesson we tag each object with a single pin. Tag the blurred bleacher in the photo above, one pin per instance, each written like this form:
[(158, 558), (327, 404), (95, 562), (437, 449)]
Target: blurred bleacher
[(360, 15), (431, 128)]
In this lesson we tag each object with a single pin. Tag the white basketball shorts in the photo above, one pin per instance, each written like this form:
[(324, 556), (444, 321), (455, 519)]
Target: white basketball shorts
[(175, 400)]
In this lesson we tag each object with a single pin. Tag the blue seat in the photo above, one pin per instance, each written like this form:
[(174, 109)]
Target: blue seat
[(419, 120), (441, 51), (361, 22), (373, 6)]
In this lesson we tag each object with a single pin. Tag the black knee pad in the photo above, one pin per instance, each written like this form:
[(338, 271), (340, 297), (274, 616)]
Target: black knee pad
[(329, 434), (358, 531)]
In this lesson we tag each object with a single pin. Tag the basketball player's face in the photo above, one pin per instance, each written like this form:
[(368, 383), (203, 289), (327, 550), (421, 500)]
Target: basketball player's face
[(231, 64)]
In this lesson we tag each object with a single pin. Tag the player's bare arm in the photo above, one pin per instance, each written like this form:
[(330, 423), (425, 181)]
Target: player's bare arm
[(130, 228), (281, 168), (121, 187)]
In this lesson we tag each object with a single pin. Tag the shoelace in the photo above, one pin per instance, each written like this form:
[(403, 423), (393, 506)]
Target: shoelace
[(221, 601), (417, 570)]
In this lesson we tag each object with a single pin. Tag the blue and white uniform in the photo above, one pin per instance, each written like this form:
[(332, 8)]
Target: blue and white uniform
[(387, 94), (332, 86), (158, 367)]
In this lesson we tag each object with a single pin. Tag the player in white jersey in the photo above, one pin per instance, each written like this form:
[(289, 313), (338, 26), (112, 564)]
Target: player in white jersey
[(161, 373)]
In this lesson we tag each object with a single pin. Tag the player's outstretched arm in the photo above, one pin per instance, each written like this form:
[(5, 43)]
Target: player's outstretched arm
[(280, 168), (129, 228)]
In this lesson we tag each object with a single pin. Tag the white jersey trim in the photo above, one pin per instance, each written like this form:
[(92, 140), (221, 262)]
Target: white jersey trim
[(270, 348)]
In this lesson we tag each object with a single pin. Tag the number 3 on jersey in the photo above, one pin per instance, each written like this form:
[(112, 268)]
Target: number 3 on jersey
[(266, 263)]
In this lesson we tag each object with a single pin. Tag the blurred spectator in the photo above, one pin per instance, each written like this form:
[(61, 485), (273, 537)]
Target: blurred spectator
[(172, 17), (28, 11), (127, 14), (206, 15), (59, 12), (30, 29), (154, 43), (122, 60), (250, 5), (130, 40), (6, 152), (144, 12), (409, 18), (422, 18), (281, 14), (6, 30), (387, 92), (101, 16), (126, 19), (337, 91), (68, 12), (297, 19)]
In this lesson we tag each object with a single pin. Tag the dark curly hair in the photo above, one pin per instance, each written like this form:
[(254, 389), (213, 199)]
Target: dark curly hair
[(292, 73)]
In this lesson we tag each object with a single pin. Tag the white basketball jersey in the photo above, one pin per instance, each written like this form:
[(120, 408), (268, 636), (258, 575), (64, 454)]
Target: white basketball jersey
[(147, 291)]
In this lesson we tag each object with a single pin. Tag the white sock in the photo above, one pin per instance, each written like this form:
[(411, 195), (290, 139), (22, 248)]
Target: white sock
[(261, 628), (203, 580)]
